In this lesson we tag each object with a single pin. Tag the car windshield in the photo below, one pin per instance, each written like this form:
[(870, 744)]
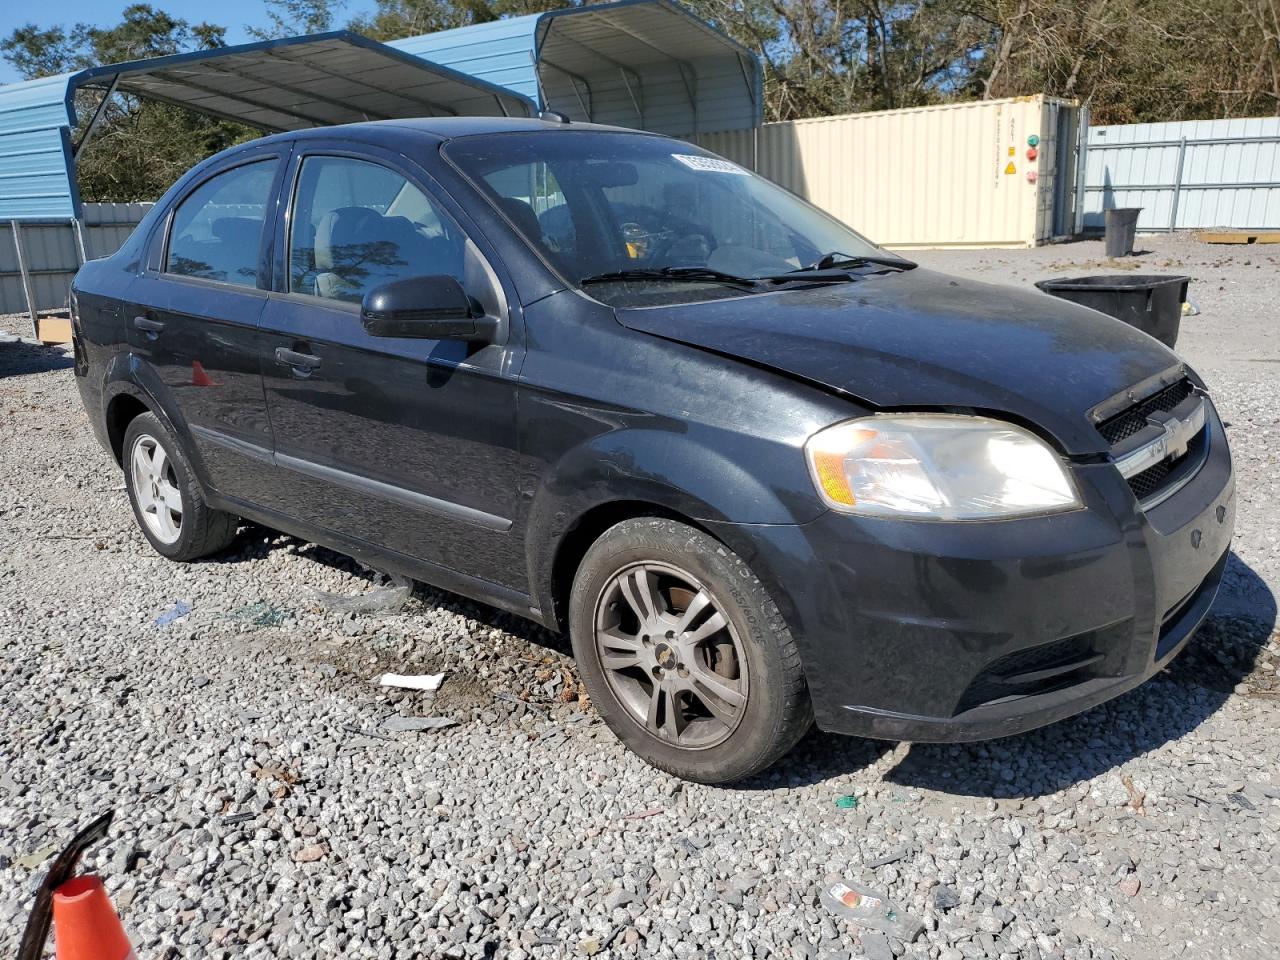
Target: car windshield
[(646, 220)]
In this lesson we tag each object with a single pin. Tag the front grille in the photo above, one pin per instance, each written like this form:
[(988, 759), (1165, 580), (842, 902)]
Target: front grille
[(1125, 424), (1150, 481)]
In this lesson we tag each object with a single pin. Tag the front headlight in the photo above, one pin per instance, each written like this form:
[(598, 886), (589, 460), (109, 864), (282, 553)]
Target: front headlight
[(937, 467)]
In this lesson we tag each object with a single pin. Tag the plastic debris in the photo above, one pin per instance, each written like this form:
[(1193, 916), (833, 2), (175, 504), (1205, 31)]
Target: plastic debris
[(869, 908), (945, 898), (1189, 309), (847, 802), (35, 859), (385, 599), (426, 681), (417, 724), (889, 858), (174, 613)]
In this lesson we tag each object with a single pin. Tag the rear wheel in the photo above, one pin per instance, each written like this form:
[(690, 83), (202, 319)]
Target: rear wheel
[(684, 654), (167, 500)]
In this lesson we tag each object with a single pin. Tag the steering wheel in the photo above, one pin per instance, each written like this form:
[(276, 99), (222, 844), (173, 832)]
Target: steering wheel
[(669, 236)]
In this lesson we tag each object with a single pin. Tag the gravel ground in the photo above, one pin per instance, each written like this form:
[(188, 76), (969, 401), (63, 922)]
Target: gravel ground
[(265, 807)]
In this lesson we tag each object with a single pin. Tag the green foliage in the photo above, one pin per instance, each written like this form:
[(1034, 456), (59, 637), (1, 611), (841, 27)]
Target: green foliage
[(294, 18), (394, 19)]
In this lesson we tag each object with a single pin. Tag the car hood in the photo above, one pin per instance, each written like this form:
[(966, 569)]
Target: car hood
[(923, 339)]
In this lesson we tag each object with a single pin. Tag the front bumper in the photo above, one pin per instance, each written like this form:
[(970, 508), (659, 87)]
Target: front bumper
[(940, 632)]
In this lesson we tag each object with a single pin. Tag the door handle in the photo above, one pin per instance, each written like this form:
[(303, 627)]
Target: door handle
[(299, 361), (147, 324)]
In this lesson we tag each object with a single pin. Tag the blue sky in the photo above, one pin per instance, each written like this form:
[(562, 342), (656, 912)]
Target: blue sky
[(232, 14)]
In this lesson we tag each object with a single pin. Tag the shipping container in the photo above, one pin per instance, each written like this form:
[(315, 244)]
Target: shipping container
[(990, 173)]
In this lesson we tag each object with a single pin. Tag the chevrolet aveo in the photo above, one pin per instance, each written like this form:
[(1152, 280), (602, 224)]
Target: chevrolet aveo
[(761, 471)]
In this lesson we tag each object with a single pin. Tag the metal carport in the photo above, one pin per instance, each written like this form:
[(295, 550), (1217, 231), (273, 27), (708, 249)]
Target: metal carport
[(290, 84), (647, 64)]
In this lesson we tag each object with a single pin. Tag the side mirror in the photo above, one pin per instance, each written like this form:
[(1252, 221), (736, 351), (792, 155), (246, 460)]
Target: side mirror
[(426, 308)]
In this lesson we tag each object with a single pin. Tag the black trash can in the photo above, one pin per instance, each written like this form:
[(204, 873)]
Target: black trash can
[(1151, 302), (1121, 226)]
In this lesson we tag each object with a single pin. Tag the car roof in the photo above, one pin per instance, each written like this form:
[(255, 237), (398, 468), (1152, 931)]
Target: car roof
[(445, 128)]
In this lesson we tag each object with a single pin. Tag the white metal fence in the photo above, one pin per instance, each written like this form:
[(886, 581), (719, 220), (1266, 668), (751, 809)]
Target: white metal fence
[(38, 258), (1194, 174)]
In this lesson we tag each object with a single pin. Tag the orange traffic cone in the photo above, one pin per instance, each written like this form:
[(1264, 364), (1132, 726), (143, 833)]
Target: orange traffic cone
[(200, 377), (85, 925)]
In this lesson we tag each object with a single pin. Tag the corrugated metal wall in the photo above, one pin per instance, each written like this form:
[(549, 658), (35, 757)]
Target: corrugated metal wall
[(53, 255), (647, 65), (500, 52), (1188, 175), (952, 175), (35, 149)]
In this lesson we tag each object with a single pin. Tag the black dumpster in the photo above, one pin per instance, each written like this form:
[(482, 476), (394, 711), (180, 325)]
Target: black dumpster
[(1120, 228), (1152, 303)]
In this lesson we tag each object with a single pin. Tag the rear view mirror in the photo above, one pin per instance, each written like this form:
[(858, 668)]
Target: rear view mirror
[(610, 173), (427, 308)]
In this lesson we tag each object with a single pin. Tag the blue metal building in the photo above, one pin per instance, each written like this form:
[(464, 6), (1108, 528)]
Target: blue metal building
[(647, 64)]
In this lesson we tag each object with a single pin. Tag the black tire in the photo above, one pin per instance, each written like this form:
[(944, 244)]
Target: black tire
[(202, 530), (777, 710)]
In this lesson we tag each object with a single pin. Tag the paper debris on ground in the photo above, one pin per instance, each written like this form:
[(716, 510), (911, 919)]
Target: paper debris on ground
[(425, 681)]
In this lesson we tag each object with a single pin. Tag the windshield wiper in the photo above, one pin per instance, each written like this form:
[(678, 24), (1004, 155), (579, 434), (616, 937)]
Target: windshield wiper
[(672, 274), (836, 260)]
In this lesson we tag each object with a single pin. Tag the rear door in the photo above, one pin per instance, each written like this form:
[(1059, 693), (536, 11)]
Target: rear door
[(193, 315), (408, 444)]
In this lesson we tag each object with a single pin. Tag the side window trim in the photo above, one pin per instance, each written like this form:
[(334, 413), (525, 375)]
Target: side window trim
[(266, 240)]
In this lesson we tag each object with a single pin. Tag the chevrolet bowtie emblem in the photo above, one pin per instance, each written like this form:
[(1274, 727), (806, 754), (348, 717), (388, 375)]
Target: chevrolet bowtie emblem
[(1178, 433), (1173, 442)]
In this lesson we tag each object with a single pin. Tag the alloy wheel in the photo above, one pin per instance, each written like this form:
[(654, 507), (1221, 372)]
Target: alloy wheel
[(155, 486), (670, 655)]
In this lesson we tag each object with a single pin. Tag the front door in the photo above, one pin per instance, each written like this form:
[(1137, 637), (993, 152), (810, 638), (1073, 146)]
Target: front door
[(408, 444), (193, 319)]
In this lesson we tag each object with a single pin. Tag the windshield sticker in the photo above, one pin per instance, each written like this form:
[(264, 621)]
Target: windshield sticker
[(708, 164)]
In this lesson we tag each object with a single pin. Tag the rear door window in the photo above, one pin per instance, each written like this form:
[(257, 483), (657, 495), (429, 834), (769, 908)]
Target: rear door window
[(357, 224), (217, 228)]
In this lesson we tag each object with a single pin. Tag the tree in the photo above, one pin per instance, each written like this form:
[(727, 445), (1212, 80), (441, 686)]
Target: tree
[(394, 19), (292, 18)]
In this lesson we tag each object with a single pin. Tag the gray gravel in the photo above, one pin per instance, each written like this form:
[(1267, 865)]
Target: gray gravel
[(269, 804)]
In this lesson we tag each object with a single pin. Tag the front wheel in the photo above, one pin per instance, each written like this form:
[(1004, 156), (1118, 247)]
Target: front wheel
[(684, 654)]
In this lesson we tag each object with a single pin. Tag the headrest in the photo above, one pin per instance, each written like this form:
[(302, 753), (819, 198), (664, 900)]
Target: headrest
[(344, 227), (522, 215)]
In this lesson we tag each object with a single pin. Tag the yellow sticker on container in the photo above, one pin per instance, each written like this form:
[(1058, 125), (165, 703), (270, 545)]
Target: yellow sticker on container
[(1012, 151), (1010, 168)]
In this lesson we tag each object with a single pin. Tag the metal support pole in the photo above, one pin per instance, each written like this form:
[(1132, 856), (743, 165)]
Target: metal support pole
[(78, 229), (94, 120), (1177, 186), (19, 247)]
